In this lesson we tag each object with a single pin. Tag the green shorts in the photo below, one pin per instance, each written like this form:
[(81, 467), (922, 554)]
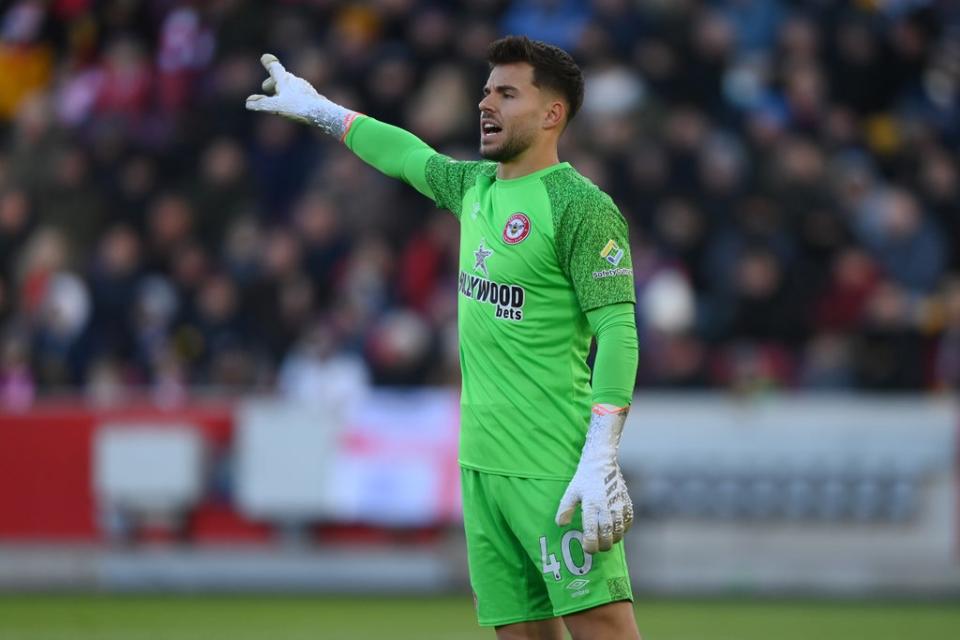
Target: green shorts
[(524, 567)]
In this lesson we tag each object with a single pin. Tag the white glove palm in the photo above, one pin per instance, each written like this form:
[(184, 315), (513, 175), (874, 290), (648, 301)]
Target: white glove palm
[(296, 99), (598, 485)]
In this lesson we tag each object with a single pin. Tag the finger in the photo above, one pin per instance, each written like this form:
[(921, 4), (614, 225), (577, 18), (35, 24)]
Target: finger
[(568, 504), (618, 527), (627, 515), (590, 533), (269, 85), (261, 103), (604, 530), (272, 65)]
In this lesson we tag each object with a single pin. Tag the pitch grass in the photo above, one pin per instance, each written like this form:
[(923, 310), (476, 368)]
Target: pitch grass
[(278, 617)]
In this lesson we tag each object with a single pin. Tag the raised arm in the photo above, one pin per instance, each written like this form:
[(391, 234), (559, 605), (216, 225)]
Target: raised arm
[(391, 150)]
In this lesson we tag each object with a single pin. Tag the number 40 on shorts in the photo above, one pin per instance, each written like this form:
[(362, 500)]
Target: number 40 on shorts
[(552, 566)]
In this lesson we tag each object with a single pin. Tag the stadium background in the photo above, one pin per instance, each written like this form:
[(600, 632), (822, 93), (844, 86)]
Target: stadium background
[(187, 289)]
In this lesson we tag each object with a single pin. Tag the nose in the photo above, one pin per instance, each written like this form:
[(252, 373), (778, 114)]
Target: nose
[(484, 105)]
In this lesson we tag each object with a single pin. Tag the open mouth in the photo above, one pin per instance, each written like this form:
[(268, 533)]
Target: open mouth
[(489, 129)]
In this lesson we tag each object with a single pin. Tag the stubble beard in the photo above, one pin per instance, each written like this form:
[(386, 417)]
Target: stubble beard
[(510, 149)]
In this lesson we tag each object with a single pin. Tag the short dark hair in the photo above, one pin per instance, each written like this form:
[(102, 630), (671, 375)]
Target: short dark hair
[(553, 67)]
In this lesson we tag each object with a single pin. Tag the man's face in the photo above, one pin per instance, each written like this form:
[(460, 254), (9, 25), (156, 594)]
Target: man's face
[(511, 112)]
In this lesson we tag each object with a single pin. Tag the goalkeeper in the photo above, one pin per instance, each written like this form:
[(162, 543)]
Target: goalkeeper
[(544, 267)]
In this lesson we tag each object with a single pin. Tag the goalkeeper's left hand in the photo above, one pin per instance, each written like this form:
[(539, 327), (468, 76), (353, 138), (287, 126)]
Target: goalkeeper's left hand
[(598, 484)]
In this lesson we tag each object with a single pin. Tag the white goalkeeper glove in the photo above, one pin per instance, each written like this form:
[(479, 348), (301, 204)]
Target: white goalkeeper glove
[(598, 486), (296, 99)]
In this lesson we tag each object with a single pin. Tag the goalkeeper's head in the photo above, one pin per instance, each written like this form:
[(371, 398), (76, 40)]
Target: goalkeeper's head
[(533, 91)]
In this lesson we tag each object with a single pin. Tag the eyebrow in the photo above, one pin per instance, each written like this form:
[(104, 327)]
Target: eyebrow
[(500, 88)]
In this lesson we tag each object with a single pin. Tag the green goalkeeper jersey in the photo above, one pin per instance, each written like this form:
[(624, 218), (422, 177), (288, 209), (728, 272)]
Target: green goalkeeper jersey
[(536, 253)]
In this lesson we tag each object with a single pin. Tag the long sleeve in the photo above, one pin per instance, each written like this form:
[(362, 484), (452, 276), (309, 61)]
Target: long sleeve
[(615, 367), (392, 151)]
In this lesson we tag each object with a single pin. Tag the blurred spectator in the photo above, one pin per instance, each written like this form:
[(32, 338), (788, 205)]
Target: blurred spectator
[(400, 349), (155, 308), (939, 190), (558, 21), (853, 280), (184, 49), (217, 326), (70, 200), (426, 258), (889, 353), (16, 224), (278, 302), (904, 241), (26, 60), (319, 371), (326, 246), (222, 191), (948, 351), (280, 163), (126, 84), (170, 221), (17, 386), (114, 279), (58, 327), (786, 169), (827, 363), (766, 308), (755, 23)]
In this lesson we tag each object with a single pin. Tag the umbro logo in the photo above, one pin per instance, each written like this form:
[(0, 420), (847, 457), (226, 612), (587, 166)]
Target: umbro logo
[(578, 587)]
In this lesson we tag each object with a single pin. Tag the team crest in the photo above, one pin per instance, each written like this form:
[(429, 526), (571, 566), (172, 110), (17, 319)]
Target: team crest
[(517, 228)]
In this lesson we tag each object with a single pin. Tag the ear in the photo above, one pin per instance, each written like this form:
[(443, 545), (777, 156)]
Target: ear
[(555, 115)]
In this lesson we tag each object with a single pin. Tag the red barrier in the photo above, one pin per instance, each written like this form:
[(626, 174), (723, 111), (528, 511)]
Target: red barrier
[(45, 473), (45, 465)]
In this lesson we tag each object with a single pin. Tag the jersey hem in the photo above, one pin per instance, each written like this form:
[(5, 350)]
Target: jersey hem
[(513, 473), (630, 299)]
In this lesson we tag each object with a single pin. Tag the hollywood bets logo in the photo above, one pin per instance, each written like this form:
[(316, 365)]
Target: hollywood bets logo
[(508, 299)]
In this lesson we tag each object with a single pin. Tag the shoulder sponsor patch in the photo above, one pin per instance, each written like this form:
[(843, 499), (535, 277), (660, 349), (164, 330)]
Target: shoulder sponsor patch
[(610, 273), (612, 253)]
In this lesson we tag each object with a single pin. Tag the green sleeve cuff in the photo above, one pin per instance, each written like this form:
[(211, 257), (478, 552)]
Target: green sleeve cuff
[(392, 151), (615, 367)]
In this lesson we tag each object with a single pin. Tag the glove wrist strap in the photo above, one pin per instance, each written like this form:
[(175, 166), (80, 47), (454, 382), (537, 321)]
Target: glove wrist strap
[(331, 118), (606, 427)]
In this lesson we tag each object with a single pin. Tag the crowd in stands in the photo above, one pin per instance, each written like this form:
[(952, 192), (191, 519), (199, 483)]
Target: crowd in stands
[(788, 169)]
